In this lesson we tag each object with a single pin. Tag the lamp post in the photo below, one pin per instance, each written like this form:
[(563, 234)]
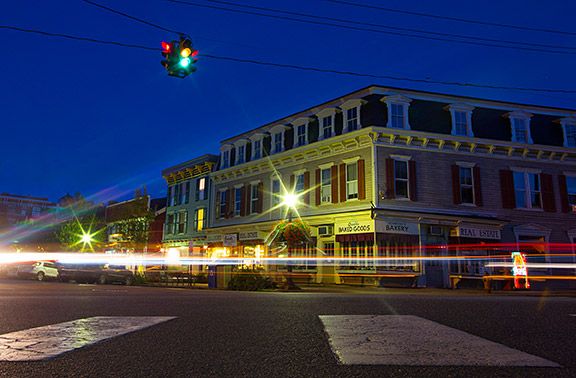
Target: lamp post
[(290, 201)]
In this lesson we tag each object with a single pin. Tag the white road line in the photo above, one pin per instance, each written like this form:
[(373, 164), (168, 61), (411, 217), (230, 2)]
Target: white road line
[(50, 341), (411, 340)]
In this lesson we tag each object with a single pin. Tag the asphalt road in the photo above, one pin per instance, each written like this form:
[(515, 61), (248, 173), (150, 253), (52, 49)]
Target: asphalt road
[(272, 334)]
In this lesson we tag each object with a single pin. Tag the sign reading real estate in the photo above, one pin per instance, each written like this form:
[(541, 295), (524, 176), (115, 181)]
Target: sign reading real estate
[(354, 227), (478, 232), (214, 238), (251, 235), (397, 226), (230, 240)]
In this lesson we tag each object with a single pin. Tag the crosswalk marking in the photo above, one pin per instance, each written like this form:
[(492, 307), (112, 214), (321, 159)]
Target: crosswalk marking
[(411, 340), (50, 341)]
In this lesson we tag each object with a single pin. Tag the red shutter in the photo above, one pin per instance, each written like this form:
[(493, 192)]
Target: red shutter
[(229, 204), (390, 192), (361, 180), (292, 183), (342, 182), (260, 197), (477, 187), (248, 199), (548, 200), (563, 188), (412, 180), (217, 206), (507, 189), (334, 183), (317, 188), (456, 185), (306, 187), (243, 201)]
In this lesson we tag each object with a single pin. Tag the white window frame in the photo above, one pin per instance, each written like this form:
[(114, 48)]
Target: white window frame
[(222, 203), (296, 125), (527, 205), (241, 155), (405, 159), (297, 176), (326, 113), (237, 201), (254, 196), (461, 108), (277, 130), (276, 197), (325, 167), (350, 104), (524, 117), (225, 154), (397, 100), (198, 221), (201, 189), (258, 137), (568, 123)]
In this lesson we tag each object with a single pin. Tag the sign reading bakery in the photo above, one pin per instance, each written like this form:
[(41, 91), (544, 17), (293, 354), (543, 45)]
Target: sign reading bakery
[(396, 226), (353, 227), (478, 232)]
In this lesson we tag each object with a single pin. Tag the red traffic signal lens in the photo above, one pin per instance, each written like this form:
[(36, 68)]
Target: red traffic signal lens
[(166, 47), (195, 53)]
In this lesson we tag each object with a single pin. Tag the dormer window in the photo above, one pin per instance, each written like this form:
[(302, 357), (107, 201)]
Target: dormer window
[(461, 119), (241, 151), (569, 128), (225, 156), (257, 145), (326, 121), (397, 111), (277, 133), (520, 125), (351, 109), (301, 131)]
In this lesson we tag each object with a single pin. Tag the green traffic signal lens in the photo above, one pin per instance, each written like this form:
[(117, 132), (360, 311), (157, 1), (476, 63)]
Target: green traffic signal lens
[(185, 62)]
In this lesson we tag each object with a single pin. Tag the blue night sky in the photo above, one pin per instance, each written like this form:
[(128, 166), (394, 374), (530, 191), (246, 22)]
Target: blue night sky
[(82, 117)]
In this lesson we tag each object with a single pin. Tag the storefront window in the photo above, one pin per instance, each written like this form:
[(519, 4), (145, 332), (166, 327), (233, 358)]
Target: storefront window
[(358, 255)]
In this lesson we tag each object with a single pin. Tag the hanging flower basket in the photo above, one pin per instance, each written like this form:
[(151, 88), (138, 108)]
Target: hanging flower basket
[(294, 233)]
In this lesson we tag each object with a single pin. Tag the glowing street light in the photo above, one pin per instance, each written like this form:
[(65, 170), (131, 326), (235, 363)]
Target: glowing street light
[(290, 200)]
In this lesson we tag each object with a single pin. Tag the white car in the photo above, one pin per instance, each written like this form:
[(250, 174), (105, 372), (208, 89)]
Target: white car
[(41, 271)]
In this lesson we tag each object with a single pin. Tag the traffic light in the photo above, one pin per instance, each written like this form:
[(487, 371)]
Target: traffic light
[(180, 58)]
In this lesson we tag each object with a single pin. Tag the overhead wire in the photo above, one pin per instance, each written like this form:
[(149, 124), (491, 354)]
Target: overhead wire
[(342, 20), (365, 29), (449, 18), (293, 66)]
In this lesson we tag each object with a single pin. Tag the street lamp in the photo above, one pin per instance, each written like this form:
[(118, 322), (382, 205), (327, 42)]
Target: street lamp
[(290, 202)]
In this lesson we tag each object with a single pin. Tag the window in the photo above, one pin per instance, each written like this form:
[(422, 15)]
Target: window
[(278, 142), (241, 154), (527, 190), (520, 130), (397, 116), (460, 123), (401, 178), (170, 196), (326, 127), (276, 196), (169, 227), (186, 191), (352, 119), (254, 198), (357, 255), (352, 181), (226, 159), (257, 145), (201, 189), (237, 201), (177, 194), (569, 135), (222, 204), (466, 185), (571, 189), (181, 221), (200, 219), (299, 188), (301, 135), (325, 186)]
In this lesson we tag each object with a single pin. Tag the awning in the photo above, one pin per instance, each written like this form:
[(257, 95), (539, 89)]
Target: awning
[(397, 238)]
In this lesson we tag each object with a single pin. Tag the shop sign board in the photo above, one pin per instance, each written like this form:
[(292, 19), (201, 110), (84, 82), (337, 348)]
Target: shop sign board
[(230, 240), (397, 226), (354, 227), (214, 238), (251, 235), (478, 232)]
